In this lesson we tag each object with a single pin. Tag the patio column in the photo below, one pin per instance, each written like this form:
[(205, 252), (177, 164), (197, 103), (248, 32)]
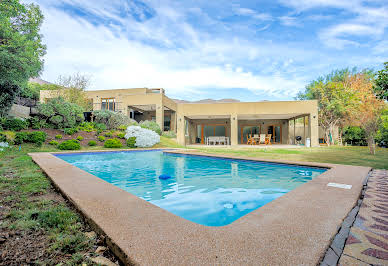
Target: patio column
[(313, 129), (294, 141), (233, 130), (160, 116), (180, 134), (304, 130)]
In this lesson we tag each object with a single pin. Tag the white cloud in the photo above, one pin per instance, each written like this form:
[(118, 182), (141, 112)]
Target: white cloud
[(114, 61)]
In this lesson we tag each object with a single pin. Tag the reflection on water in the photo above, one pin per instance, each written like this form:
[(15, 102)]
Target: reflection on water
[(205, 190)]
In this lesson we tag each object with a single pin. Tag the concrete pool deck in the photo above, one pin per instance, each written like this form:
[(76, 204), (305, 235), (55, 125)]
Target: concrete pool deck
[(294, 229)]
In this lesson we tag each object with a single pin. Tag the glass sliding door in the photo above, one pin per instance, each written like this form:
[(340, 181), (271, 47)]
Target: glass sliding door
[(276, 133), (248, 130), (205, 131)]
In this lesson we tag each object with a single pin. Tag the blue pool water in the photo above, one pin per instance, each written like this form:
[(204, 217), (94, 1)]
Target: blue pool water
[(205, 190)]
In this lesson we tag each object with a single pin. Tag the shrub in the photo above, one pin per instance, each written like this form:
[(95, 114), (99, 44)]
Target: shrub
[(124, 127), (71, 144), (113, 143), (87, 126), (108, 134), (79, 138), (61, 114), (151, 125), (21, 137), (121, 135), (53, 142), (70, 131), (144, 137), (15, 124), (100, 126), (35, 122), (354, 136), (169, 134), (131, 142), (112, 120), (9, 136), (3, 137), (59, 136), (92, 143), (37, 137), (101, 138)]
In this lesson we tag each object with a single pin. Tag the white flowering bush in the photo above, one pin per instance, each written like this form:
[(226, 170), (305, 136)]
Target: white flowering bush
[(3, 145), (144, 137)]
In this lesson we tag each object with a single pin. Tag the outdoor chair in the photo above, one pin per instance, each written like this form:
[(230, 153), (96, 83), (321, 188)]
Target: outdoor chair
[(268, 139), (262, 139), (251, 140)]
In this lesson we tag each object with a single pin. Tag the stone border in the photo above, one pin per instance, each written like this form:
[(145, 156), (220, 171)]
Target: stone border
[(335, 250), (294, 229)]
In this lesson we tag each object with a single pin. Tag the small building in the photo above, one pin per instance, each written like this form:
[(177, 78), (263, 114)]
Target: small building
[(194, 122)]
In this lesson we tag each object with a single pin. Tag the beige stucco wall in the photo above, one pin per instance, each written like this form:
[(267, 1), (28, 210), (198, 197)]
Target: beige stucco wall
[(234, 113)]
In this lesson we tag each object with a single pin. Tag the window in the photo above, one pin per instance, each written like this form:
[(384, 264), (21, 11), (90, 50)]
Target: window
[(108, 104), (167, 123)]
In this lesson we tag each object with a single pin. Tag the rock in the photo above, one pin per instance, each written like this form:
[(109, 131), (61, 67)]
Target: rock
[(100, 250), (103, 261), (2, 239), (90, 234)]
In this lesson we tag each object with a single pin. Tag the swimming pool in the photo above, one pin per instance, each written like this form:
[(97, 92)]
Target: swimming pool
[(205, 190)]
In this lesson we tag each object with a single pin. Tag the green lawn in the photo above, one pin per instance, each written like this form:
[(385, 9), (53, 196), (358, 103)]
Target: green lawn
[(334, 154)]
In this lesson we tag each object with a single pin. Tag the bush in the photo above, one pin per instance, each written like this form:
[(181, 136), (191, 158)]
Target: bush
[(71, 144), (35, 122), (61, 114), (15, 124), (53, 142), (21, 137), (108, 134), (144, 137), (151, 125), (79, 138), (3, 138), (92, 143), (100, 126), (113, 143), (87, 126), (354, 136), (37, 137), (112, 120), (121, 135), (59, 136), (169, 134), (131, 142), (101, 138), (70, 131)]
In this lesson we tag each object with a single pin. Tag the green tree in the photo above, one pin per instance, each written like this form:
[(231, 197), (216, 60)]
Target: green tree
[(334, 96), (21, 48), (381, 83)]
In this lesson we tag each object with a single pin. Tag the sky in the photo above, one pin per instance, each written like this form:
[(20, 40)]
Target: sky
[(196, 49)]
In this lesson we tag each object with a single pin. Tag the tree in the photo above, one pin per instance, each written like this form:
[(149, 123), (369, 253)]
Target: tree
[(382, 133), (21, 48), (334, 96), (73, 89), (381, 83), (367, 111)]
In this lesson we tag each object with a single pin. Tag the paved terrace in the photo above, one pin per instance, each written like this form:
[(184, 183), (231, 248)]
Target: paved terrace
[(367, 243)]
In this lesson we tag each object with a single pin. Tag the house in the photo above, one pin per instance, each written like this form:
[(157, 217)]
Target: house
[(193, 122)]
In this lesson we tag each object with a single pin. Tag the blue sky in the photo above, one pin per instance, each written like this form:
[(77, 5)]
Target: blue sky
[(248, 50)]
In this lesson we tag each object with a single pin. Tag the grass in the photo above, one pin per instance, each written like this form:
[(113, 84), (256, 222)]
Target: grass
[(23, 188), (334, 154)]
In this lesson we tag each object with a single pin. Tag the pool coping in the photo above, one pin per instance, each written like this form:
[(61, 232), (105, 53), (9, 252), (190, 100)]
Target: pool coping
[(296, 228)]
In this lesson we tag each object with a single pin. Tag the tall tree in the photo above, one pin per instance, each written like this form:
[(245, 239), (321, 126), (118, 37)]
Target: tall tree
[(367, 111), (21, 48), (334, 96), (73, 89), (381, 83)]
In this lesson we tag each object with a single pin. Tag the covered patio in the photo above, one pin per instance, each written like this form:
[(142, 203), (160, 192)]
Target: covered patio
[(278, 129)]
